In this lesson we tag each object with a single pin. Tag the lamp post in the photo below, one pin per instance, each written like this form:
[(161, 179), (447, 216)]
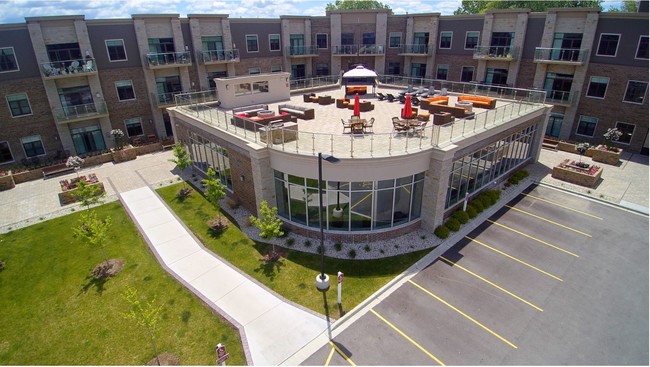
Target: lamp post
[(322, 280)]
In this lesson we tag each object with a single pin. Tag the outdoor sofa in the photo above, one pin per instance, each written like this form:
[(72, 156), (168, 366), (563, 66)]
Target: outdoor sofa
[(479, 101), (304, 113)]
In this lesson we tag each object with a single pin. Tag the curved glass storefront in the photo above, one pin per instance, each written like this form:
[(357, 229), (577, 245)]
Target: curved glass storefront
[(350, 206)]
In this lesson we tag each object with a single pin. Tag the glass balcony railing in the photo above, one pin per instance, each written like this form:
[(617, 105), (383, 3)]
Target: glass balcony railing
[(154, 60), (414, 49), (507, 53), (302, 50), (561, 97), (371, 49), (561, 55), (80, 112), (345, 50), (359, 50), (69, 68), (218, 56), (319, 81)]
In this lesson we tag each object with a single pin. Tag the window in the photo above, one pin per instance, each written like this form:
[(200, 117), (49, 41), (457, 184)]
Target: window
[(608, 44), (467, 74), (19, 105), (393, 68), (586, 125), (442, 71), (8, 60), (395, 39), (251, 43), (597, 87), (445, 39), (5, 153), (471, 40), (252, 71), (133, 127), (63, 51), (116, 50), (368, 38), (274, 42), (642, 48), (635, 91), (627, 130), (33, 146), (321, 40), (124, 90), (347, 39), (322, 69), (276, 69)]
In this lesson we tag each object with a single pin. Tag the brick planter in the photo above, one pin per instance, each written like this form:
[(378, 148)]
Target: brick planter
[(30, 175), (576, 175), (67, 197), (7, 182), (149, 148), (97, 159), (125, 154), (606, 156), (566, 147)]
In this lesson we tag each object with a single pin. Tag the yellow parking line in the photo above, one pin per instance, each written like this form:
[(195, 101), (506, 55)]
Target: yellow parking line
[(339, 351), (408, 338), (563, 206), (514, 258), (533, 238), (490, 283), (329, 357), (548, 220), (463, 314)]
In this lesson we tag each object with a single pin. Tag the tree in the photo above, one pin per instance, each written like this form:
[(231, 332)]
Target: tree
[(88, 194), (74, 162), (268, 223), (144, 314), (214, 191), (94, 231), (182, 161), (478, 6), (627, 6), (356, 5), (582, 148)]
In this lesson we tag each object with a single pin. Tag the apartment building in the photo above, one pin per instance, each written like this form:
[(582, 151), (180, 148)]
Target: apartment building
[(67, 81)]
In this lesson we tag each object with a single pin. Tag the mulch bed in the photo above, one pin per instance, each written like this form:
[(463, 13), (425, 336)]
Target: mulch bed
[(165, 359), (102, 270)]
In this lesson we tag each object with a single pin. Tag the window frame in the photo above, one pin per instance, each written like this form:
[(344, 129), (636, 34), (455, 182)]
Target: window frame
[(118, 91), (594, 129), (29, 104), (327, 41), (644, 93), (40, 139), (257, 42), (270, 48), (461, 73), (259, 70), (108, 53), (618, 43), (13, 158), (636, 53), (126, 126), (478, 39), (451, 40), (631, 135), (391, 35), (446, 67), (276, 66), (13, 53), (589, 84)]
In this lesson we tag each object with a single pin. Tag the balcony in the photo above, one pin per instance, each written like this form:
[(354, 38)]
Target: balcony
[(358, 50), (414, 50), (371, 50), (500, 53), (69, 114), (562, 56), (343, 50), (69, 68), (167, 59), (302, 51), (561, 98), (217, 56)]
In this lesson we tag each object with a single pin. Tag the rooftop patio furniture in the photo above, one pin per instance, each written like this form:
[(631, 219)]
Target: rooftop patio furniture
[(458, 112), (402, 99), (250, 110), (307, 97), (346, 125), (424, 115), (479, 101), (442, 118), (325, 100), (390, 97), (358, 89), (440, 100), (369, 124), (304, 113), (415, 101), (381, 96), (253, 123), (365, 106), (414, 113), (399, 126), (342, 103), (419, 129)]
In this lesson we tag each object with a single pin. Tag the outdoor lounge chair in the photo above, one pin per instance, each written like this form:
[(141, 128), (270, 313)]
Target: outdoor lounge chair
[(381, 96), (368, 126), (419, 129), (415, 101), (390, 97), (402, 99), (346, 125)]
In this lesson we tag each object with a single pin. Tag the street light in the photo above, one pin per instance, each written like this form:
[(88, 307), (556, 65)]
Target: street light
[(322, 280)]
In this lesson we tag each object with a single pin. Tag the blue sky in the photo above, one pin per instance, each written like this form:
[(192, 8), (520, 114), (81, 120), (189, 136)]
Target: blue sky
[(15, 11)]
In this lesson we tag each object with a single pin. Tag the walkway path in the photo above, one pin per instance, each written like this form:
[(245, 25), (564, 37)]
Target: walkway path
[(273, 328)]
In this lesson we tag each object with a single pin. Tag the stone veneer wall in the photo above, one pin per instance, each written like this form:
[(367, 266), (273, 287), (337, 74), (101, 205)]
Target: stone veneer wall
[(353, 236)]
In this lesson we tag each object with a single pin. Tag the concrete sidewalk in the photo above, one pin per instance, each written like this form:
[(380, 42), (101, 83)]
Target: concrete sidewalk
[(272, 328)]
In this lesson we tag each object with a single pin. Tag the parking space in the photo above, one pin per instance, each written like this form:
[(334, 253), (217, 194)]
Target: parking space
[(551, 278)]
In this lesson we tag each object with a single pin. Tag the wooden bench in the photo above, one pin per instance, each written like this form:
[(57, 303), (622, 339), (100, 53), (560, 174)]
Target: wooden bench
[(56, 170), (549, 144)]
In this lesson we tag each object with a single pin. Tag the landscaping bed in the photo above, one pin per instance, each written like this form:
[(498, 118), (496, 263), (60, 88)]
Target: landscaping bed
[(577, 173)]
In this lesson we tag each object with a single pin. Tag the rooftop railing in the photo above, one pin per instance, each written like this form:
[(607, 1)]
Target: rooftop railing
[(217, 56), (69, 68), (567, 98), (154, 60), (316, 82), (496, 52), (69, 114), (561, 55)]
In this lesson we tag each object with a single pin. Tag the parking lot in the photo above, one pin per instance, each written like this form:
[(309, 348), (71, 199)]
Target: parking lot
[(552, 278)]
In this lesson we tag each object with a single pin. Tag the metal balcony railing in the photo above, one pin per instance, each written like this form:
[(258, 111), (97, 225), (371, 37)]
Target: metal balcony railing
[(345, 50), (561, 97), (68, 114), (371, 49), (154, 60), (218, 56), (302, 50), (507, 53), (164, 99), (414, 49), (561, 55), (69, 68)]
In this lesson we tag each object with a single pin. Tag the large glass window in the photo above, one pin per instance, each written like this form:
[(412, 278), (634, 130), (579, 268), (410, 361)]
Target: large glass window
[(7, 60), (501, 43), (586, 125), (467, 74), (274, 42), (87, 139), (597, 87), (321, 40), (347, 39), (445, 39), (635, 91), (608, 44), (368, 38), (642, 48), (133, 127), (5, 153), (116, 50), (627, 130), (395, 39), (33, 146), (471, 39), (566, 46), (251, 43), (124, 90), (63, 51), (19, 105), (554, 124), (442, 71), (350, 206), (205, 154)]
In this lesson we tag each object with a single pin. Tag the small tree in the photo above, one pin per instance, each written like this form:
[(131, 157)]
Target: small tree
[(74, 162), (214, 191), (88, 194), (612, 134), (268, 223), (118, 136), (582, 149), (145, 314), (182, 161), (94, 231)]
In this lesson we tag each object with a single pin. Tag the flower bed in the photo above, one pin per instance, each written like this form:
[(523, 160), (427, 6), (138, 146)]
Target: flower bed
[(578, 173), (603, 154), (71, 184)]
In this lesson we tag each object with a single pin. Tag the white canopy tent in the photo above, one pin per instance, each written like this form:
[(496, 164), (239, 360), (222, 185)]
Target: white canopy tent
[(360, 76)]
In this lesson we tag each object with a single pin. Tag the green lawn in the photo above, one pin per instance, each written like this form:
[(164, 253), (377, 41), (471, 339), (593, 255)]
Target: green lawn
[(52, 313), (293, 276)]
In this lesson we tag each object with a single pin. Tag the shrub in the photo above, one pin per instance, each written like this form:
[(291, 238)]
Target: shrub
[(290, 241), (471, 212), (307, 243), (441, 231), (338, 246), (352, 254), (477, 205), (461, 216), (232, 204), (453, 224), (485, 200), (366, 248)]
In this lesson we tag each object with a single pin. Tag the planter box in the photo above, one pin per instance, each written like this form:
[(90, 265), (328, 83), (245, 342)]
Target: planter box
[(125, 154), (575, 176), (97, 159), (606, 156), (566, 147), (67, 197), (7, 182), (30, 175), (149, 148)]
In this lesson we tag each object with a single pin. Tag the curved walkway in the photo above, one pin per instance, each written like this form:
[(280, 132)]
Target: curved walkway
[(272, 328)]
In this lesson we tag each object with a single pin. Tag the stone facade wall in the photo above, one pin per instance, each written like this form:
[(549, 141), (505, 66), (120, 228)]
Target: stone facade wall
[(353, 236), (455, 64), (241, 68)]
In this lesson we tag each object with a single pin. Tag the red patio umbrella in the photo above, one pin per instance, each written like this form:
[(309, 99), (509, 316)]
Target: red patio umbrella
[(356, 111), (407, 111)]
